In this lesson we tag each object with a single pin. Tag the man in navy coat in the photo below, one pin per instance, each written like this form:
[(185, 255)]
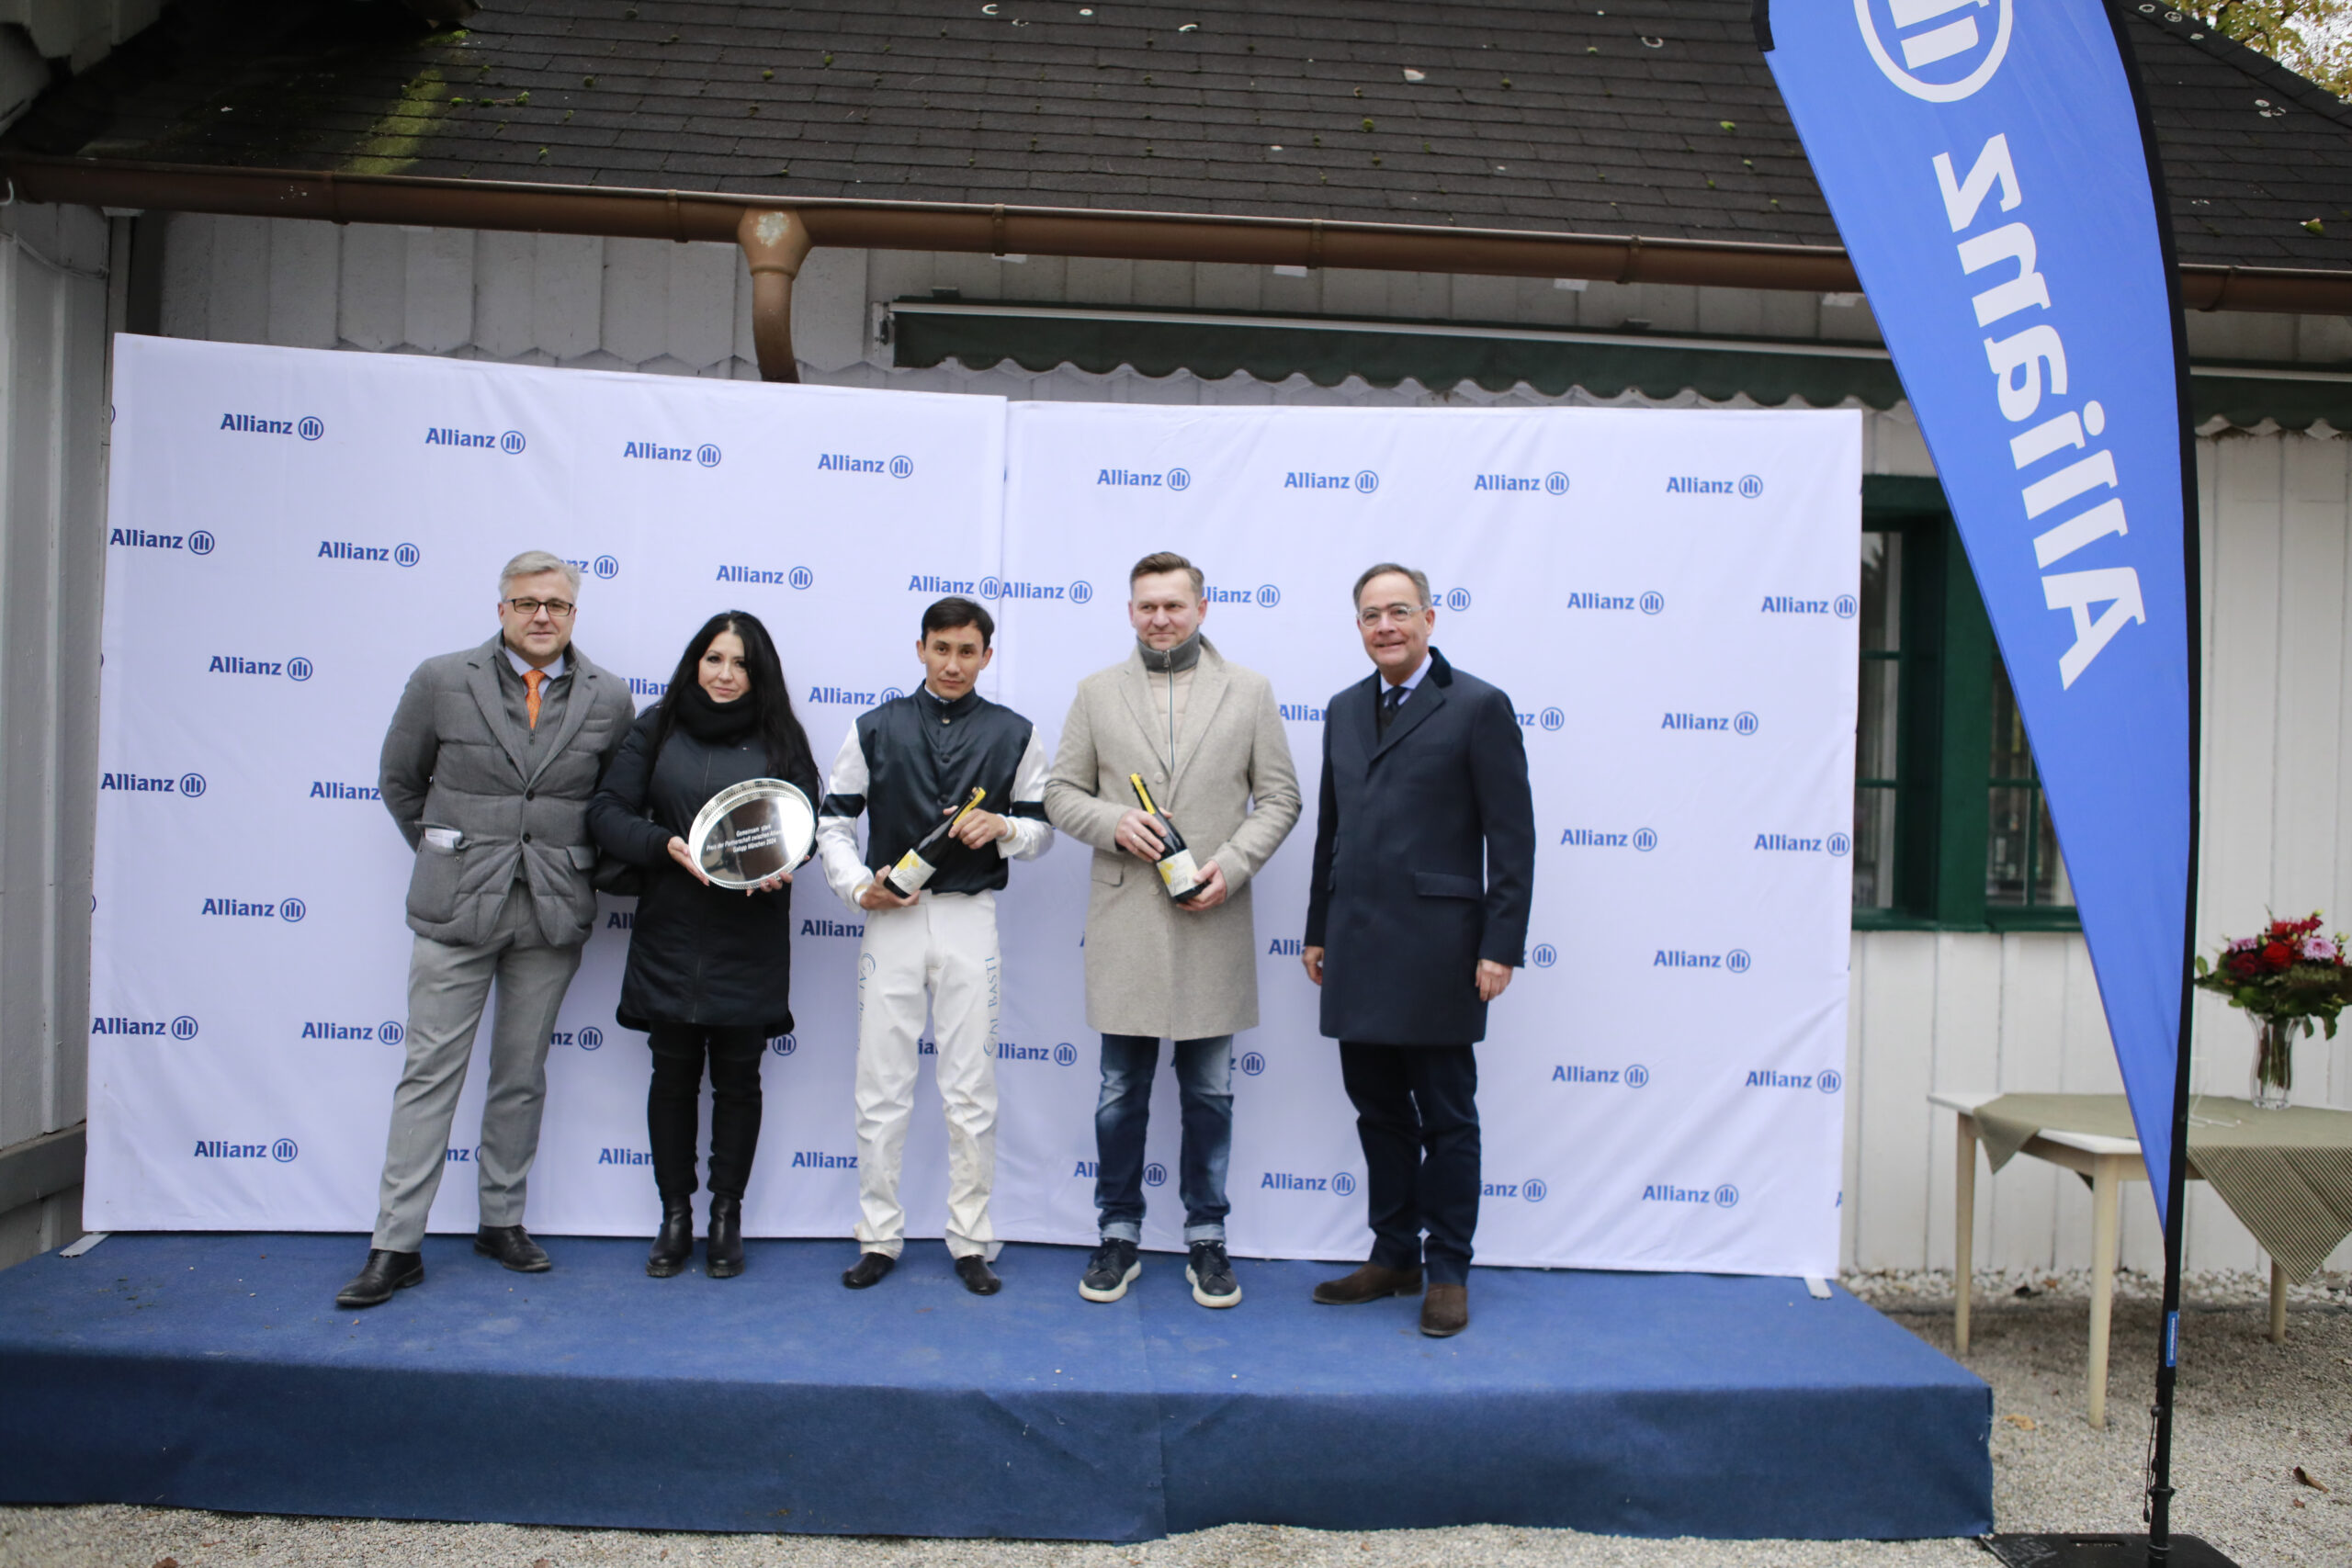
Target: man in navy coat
[(1424, 862)]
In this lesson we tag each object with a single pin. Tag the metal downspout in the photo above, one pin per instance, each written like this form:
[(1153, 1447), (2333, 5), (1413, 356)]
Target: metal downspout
[(774, 245)]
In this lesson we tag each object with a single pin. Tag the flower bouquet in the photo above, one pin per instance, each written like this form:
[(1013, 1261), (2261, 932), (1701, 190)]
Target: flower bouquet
[(2291, 973)]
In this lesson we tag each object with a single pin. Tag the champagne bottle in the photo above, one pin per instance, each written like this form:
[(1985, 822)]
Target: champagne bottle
[(1175, 862), (919, 865)]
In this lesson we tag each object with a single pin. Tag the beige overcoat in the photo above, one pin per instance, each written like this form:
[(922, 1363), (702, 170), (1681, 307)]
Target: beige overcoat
[(1152, 969)]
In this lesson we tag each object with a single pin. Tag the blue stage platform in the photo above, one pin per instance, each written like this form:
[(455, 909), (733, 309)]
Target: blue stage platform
[(212, 1371)]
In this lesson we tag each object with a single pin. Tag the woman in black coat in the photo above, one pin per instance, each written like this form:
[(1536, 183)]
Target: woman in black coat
[(709, 970)]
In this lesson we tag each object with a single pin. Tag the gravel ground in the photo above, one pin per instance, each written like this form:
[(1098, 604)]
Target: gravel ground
[(2252, 1412)]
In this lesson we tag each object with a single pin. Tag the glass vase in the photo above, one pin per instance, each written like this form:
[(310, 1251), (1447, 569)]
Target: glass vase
[(2274, 1063)]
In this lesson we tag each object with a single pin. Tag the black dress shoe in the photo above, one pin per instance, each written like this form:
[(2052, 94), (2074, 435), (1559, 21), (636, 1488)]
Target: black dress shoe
[(512, 1246), (723, 1249), (385, 1272), (675, 1243), (977, 1276), (869, 1269)]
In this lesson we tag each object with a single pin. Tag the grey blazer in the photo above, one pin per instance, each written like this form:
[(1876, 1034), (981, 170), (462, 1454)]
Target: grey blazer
[(455, 757), (1153, 969)]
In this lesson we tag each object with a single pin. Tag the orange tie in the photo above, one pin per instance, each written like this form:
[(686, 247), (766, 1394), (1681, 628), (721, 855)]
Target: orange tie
[(531, 680)]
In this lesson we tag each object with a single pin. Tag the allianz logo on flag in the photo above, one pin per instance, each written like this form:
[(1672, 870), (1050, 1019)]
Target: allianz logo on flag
[(1534, 1190), (295, 669), (1945, 58), (188, 785), (1735, 962), (705, 455), (290, 911), (795, 576), (1642, 839), (588, 1038), (1794, 843), (818, 1159), (1132, 479), (1553, 483), (1842, 605), (332, 789), (1649, 604), (181, 1028), (510, 442), (1064, 1055), (1343, 1183), (284, 1150), (199, 542), (395, 555), (1633, 1077), (1723, 1195), (842, 463), (309, 427), (1364, 481), (1748, 487), (1265, 595), (390, 1032), (1741, 723), (1829, 1080)]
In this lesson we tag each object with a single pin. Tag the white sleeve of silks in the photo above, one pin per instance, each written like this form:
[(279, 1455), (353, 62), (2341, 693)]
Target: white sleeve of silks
[(1032, 834), (845, 869)]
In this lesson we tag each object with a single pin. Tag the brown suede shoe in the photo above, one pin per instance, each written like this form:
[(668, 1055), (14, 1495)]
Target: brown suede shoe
[(1445, 1310), (1370, 1283)]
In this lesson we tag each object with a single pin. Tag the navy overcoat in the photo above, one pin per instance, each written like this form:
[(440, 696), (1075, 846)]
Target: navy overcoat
[(1424, 859)]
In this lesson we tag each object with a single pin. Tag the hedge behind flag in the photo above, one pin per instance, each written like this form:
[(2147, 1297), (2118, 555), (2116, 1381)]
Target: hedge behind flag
[(1988, 165)]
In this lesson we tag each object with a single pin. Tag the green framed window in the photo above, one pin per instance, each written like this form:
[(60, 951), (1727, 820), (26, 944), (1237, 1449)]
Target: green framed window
[(1950, 829)]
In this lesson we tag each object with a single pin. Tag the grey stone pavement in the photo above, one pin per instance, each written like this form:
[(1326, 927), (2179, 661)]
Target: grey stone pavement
[(2251, 1413)]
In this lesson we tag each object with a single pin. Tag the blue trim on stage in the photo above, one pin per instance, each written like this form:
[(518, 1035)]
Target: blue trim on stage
[(212, 1371)]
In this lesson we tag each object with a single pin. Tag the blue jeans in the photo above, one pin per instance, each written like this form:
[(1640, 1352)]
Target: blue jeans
[(1204, 1088)]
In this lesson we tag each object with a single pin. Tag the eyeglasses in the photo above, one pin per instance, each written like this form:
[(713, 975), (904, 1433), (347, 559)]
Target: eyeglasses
[(1396, 614), (530, 608)]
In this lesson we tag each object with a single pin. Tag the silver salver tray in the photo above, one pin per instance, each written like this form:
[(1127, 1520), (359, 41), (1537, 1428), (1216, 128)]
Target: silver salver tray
[(752, 830)]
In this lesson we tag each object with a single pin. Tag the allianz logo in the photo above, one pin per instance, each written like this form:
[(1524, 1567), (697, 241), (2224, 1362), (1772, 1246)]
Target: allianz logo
[(329, 789), (290, 911), (1343, 1183), (639, 686), (1534, 1190), (309, 427), (794, 577), (284, 1150), (995, 588), (1943, 62), (1649, 604), (1130, 478), (832, 928), (847, 698), (621, 920), (1748, 486), (1735, 962), (842, 463), (1741, 723), (1644, 840), (509, 441), (1843, 606), (181, 1028), (1722, 1196), (198, 543), (1633, 1077), (1829, 1080), (389, 1033), (588, 1038), (1553, 483), (1790, 843), (344, 549), (1265, 595), (189, 784), (1302, 713), (1285, 947), (462, 1157), (604, 567), (624, 1156), (919, 583), (1549, 718), (1154, 1174), (1065, 1054), (295, 669), (1364, 481), (818, 1159), (656, 452)]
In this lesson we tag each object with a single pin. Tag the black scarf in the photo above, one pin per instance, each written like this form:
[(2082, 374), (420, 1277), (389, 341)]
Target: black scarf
[(716, 723), (1183, 656)]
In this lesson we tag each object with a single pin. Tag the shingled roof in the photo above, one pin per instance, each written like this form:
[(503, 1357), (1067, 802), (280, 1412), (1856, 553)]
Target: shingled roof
[(1655, 117)]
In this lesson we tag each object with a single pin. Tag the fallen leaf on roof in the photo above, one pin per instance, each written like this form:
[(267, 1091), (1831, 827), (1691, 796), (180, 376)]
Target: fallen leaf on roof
[(2305, 1477)]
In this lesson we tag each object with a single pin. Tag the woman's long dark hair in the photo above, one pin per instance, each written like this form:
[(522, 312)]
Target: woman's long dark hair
[(777, 725)]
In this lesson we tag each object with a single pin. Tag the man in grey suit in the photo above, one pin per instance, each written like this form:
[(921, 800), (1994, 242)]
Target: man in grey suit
[(488, 768), (1207, 739)]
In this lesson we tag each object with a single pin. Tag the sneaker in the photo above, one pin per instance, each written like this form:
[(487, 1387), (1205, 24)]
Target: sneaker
[(1110, 1270), (1210, 1273)]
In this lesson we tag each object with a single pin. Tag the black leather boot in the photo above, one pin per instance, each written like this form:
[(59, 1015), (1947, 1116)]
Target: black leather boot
[(723, 1249), (676, 1244)]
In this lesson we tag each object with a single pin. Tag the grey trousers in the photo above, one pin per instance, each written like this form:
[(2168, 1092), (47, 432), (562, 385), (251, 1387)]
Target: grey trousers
[(447, 988)]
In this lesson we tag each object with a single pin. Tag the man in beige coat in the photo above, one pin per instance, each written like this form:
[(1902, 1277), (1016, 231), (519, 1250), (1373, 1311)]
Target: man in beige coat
[(1207, 740)]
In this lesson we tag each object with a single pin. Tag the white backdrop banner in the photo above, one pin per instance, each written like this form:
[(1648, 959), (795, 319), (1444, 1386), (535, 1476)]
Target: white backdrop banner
[(1668, 597)]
